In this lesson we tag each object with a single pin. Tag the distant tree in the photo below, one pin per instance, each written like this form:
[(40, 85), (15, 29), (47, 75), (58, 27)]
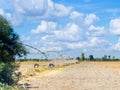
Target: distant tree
[(91, 57), (78, 58), (113, 57), (104, 57), (10, 47), (109, 57), (82, 56)]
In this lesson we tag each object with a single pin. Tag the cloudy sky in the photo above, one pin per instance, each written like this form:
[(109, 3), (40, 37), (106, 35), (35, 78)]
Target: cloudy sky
[(66, 26)]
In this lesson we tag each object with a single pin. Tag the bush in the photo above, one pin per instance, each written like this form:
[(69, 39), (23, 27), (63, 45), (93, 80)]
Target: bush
[(10, 47), (6, 87), (6, 73)]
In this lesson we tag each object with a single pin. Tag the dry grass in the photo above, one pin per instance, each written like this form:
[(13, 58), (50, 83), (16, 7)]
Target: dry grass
[(29, 72), (82, 76), (110, 64), (85, 76)]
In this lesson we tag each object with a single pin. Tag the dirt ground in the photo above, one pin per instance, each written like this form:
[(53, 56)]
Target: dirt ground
[(82, 76)]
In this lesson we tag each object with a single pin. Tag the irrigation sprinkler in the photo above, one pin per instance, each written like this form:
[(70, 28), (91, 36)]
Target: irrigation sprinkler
[(37, 50)]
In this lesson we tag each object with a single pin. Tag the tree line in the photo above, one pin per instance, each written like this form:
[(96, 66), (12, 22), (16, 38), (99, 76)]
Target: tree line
[(91, 58)]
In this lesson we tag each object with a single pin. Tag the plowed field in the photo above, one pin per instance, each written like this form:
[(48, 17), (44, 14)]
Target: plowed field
[(82, 76)]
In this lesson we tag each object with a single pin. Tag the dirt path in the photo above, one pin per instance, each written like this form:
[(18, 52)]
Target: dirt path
[(83, 76)]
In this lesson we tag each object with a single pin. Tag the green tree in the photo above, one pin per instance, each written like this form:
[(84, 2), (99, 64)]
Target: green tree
[(78, 58), (82, 56), (109, 57), (113, 57), (10, 47), (104, 57), (91, 57)]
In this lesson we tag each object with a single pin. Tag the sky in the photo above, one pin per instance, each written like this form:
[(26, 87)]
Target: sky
[(68, 27)]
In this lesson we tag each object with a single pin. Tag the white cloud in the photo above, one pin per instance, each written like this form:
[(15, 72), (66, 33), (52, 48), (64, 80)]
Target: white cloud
[(14, 19), (25, 38), (44, 27), (60, 26), (6, 15), (115, 26), (116, 47), (77, 45), (40, 8), (90, 19), (32, 8), (1, 12), (77, 18), (96, 31), (92, 27), (61, 10), (53, 48), (45, 37), (76, 15), (95, 41), (70, 32), (92, 42), (113, 10)]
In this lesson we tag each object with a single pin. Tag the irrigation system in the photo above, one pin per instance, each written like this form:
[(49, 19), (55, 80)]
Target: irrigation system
[(52, 54)]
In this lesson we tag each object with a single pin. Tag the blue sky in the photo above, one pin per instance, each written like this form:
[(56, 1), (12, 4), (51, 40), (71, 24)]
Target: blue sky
[(68, 27)]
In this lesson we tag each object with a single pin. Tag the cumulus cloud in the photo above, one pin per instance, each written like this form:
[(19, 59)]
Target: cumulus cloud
[(76, 15), (32, 9), (92, 42), (77, 18), (15, 21), (61, 10), (90, 19), (6, 15), (1, 12), (59, 26), (115, 26), (95, 41), (44, 27), (40, 8), (116, 47), (53, 48), (70, 32), (77, 45), (96, 31)]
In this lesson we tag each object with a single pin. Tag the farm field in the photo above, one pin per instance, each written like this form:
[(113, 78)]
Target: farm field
[(82, 76)]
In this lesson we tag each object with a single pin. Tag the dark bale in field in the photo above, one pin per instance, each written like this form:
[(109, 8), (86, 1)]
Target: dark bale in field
[(36, 65), (51, 65)]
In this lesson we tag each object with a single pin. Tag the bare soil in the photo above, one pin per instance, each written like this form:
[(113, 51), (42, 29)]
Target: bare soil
[(82, 76)]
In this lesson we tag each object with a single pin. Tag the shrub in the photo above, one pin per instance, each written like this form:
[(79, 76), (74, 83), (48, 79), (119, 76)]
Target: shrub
[(10, 47), (6, 73)]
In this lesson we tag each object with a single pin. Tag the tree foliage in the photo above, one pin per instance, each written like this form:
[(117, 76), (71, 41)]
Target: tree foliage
[(105, 57), (10, 47), (82, 56), (78, 58), (91, 57)]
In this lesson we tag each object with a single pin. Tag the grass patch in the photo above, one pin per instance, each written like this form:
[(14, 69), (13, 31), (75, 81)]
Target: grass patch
[(41, 69), (7, 87)]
